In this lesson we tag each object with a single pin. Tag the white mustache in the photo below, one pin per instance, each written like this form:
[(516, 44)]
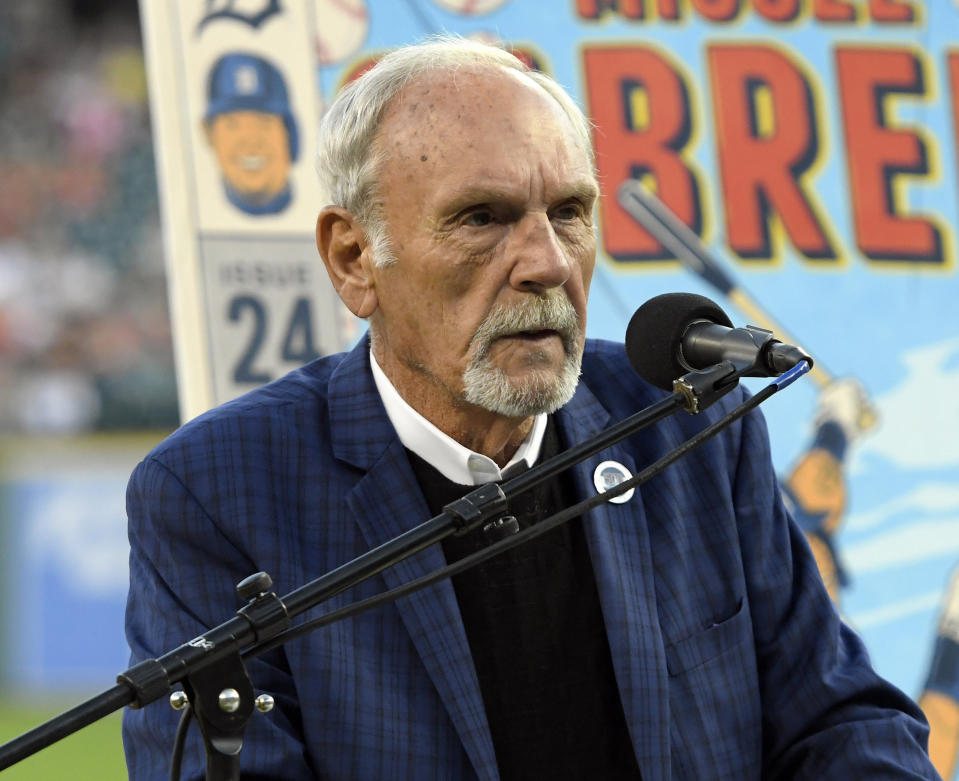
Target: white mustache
[(535, 313)]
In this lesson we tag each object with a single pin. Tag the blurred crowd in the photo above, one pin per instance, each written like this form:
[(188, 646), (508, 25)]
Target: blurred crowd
[(84, 326)]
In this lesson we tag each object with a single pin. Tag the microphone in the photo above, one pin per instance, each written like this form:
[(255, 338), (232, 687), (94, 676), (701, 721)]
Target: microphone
[(676, 333)]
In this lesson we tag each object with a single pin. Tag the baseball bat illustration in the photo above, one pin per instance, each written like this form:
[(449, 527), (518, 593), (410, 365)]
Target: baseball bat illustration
[(678, 238)]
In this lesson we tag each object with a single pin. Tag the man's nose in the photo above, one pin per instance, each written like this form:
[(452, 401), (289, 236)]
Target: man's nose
[(539, 259)]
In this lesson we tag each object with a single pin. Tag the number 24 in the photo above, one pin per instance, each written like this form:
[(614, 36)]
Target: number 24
[(297, 340)]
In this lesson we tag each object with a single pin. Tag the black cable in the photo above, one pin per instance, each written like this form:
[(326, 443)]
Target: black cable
[(176, 758), (517, 539)]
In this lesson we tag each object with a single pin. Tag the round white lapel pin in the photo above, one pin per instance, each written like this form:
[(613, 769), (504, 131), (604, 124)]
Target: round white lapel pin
[(610, 474)]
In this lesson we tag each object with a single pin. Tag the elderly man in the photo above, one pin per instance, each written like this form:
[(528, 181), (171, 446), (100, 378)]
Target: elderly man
[(683, 633)]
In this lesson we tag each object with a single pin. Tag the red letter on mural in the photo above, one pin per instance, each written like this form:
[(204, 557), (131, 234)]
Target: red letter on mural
[(766, 134), (777, 10), (891, 11), (593, 9), (717, 10), (834, 11), (876, 154), (641, 109), (668, 10)]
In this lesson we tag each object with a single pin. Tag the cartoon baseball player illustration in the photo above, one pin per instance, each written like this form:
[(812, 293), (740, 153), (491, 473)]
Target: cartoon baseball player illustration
[(252, 131), (815, 490)]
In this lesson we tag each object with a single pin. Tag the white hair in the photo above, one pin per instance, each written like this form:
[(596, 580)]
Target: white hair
[(346, 161)]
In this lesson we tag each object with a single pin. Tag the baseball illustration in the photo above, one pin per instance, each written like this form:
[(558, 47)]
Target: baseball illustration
[(341, 28), (485, 36), (471, 7)]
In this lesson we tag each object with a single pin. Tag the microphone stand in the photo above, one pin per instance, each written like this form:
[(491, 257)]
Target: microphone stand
[(210, 666)]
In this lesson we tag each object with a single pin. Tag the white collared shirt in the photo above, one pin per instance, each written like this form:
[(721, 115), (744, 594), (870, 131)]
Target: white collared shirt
[(454, 461)]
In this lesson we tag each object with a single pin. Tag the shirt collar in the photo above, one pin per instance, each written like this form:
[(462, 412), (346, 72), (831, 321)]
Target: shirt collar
[(454, 461)]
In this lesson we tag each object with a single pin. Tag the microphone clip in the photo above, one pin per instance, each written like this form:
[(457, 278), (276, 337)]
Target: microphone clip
[(701, 388)]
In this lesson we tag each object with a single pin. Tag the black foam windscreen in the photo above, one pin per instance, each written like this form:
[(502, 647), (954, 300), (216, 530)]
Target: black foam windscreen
[(655, 332)]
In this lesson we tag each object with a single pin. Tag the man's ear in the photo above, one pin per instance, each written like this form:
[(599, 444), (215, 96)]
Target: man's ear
[(342, 243)]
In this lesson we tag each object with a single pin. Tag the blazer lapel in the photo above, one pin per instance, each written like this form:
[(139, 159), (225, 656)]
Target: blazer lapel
[(619, 545), (386, 502)]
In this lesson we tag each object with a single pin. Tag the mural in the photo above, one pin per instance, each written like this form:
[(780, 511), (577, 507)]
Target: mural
[(808, 149), (812, 147)]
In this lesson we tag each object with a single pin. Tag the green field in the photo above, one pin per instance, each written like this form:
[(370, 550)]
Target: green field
[(93, 753)]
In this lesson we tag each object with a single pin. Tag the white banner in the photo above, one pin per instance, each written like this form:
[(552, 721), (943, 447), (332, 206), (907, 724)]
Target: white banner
[(235, 106)]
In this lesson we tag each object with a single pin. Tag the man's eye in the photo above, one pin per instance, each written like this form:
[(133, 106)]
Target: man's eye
[(568, 211), (478, 219)]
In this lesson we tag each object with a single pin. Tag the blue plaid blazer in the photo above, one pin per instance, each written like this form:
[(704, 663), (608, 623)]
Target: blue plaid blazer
[(730, 659)]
